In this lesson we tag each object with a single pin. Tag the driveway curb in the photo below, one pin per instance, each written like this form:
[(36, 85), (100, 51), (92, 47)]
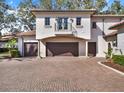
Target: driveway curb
[(115, 70)]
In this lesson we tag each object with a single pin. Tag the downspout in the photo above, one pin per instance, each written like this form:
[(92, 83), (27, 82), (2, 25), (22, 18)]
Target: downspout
[(22, 46), (103, 26), (39, 49)]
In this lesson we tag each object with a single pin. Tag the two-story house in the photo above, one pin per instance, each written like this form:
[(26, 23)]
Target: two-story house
[(73, 32)]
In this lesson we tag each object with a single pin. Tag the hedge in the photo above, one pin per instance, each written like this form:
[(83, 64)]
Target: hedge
[(14, 53), (118, 59), (4, 50)]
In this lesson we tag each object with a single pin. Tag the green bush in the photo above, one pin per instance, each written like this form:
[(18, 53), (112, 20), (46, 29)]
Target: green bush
[(109, 53), (14, 53), (118, 59), (2, 50)]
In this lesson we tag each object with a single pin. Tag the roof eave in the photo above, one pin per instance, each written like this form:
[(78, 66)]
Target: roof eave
[(90, 11)]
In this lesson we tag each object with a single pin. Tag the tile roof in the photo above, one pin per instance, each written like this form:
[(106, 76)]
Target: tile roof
[(111, 34), (107, 15), (29, 33), (117, 25), (84, 10)]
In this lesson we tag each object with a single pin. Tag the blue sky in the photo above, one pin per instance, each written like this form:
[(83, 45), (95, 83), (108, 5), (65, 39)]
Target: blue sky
[(14, 3)]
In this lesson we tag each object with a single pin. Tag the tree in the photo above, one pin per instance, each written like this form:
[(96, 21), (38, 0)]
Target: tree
[(116, 7), (25, 18), (100, 4), (88, 4), (45, 4), (94, 4), (60, 4), (6, 19)]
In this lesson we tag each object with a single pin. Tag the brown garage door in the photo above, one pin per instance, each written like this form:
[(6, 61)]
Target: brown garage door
[(62, 49), (91, 48), (30, 49)]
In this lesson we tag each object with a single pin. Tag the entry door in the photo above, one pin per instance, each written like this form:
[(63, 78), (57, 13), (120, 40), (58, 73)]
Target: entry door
[(91, 48), (62, 23)]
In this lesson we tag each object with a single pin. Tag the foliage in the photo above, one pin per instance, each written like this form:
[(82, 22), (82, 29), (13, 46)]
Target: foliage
[(46, 4), (118, 59), (116, 7), (25, 17), (14, 53), (109, 53), (3, 50), (87, 4), (73, 4), (11, 44)]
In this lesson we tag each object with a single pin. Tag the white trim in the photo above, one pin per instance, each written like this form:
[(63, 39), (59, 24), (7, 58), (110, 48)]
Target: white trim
[(122, 73)]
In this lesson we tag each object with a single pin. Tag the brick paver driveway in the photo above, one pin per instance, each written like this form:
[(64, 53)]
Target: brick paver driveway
[(58, 74)]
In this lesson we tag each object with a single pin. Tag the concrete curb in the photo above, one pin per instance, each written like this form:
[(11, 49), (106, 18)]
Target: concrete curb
[(115, 70)]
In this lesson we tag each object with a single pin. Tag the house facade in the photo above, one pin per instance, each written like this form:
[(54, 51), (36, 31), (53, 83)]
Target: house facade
[(73, 32), (117, 38)]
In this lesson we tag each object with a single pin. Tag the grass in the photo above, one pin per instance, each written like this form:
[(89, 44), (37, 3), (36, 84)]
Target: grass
[(118, 59)]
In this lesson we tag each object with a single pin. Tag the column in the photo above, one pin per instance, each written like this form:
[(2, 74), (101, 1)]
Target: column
[(38, 49), (86, 52)]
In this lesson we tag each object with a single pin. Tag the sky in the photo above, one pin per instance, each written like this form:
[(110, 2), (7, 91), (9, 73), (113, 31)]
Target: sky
[(14, 3)]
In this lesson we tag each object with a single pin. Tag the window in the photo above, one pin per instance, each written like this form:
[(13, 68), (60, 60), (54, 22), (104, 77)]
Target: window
[(94, 25), (47, 21), (114, 43), (78, 21)]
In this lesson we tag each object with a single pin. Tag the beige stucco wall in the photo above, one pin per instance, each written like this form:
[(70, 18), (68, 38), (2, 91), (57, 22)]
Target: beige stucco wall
[(44, 32), (120, 40), (84, 32), (97, 34), (82, 44)]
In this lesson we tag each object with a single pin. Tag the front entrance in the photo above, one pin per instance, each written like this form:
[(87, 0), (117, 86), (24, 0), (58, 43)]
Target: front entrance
[(91, 48), (62, 49)]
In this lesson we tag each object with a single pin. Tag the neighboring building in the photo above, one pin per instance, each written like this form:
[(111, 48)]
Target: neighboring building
[(27, 43), (117, 38), (73, 32), (5, 38)]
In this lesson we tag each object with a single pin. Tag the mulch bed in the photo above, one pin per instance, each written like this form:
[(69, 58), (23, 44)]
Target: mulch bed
[(114, 65)]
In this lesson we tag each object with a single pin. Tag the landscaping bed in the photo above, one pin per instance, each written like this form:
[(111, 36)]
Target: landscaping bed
[(114, 65)]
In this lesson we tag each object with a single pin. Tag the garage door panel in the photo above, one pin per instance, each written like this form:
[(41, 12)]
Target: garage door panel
[(62, 49), (30, 49)]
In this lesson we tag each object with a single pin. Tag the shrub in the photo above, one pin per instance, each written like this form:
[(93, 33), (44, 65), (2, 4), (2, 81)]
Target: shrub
[(109, 53), (14, 53), (4, 50), (118, 59)]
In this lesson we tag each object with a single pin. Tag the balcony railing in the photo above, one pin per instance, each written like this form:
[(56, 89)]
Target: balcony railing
[(65, 29)]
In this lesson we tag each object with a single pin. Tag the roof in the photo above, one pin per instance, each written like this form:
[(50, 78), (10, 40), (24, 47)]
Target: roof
[(111, 34), (7, 37), (84, 10), (90, 11), (117, 25), (29, 33), (108, 15)]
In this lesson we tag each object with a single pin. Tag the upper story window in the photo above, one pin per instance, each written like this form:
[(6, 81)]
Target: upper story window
[(94, 26), (78, 21), (47, 21)]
